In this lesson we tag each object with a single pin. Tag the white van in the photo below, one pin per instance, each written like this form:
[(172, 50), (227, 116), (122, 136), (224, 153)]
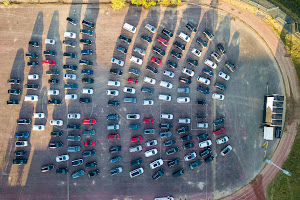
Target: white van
[(38, 127), (210, 63), (129, 27), (184, 120), (114, 83), (31, 98), (166, 84)]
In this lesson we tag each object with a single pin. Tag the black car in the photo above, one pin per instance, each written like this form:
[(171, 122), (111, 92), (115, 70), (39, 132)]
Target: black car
[(183, 129), (147, 90), (73, 126), (87, 80), (49, 53), (87, 72), (20, 153), (54, 101), (205, 152), (178, 173), (125, 39), (71, 86), (72, 21), (88, 24), (186, 138), (159, 51), (70, 55), (165, 125), (137, 162), (203, 90), (221, 49), (23, 121), (208, 72), (115, 149), (12, 102), (134, 71), (87, 52), (152, 69), (32, 55), (172, 150), (219, 122), (56, 133), (91, 164), (14, 81), (113, 103), (134, 126), (77, 162), (201, 42), (89, 132), (93, 173), (146, 39), (14, 91), (171, 64), (69, 43), (176, 55), (220, 86), (86, 32), (20, 161), (230, 66), (86, 41), (52, 72), (208, 35), (195, 164), (169, 142), (34, 43), (122, 49), (185, 80), (278, 132), (167, 33), (179, 46), (194, 63), (202, 136), (70, 67), (86, 62), (88, 153), (191, 27), (53, 81), (116, 72), (209, 159), (61, 171), (188, 145), (33, 63), (55, 145), (201, 102), (85, 100), (116, 170), (47, 168), (113, 117), (158, 174)]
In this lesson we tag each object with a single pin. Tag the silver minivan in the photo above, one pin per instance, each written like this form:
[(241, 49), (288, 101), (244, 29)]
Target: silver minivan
[(73, 148)]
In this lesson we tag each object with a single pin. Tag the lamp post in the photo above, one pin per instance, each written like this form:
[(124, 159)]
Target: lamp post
[(283, 170)]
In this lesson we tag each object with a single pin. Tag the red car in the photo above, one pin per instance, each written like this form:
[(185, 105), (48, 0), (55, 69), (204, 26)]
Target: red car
[(137, 139), (113, 136), (149, 120), (89, 121), (89, 143), (132, 80), (162, 41), (156, 61), (48, 62), (220, 131)]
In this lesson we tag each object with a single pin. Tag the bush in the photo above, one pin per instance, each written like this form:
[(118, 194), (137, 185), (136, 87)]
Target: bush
[(118, 4), (6, 3), (136, 2)]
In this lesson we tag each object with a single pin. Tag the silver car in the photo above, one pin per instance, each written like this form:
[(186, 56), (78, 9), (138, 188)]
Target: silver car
[(139, 50)]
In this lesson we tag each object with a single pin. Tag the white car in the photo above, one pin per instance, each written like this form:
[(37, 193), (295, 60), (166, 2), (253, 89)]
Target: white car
[(196, 52), (184, 120), (38, 127), (70, 76), (62, 158), (202, 125), (151, 152), (56, 122), (224, 76), (151, 143), (164, 97), (49, 41), (53, 92), (184, 37), (166, 116), (69, 35), (205, 143), (222, 140), (31, 98), (210, 63), (156, 163), (188, 72), (33, 77), (133, 116), (218, 96), (190, 156), (136, 60), (87, 91), (166, 84), (183, 99), (118, 62), (226, 150), (136, 148), (38, 115), (203, 80), (129, 90), (136, 172), (74, 116), (150, 28), (168, 73), (70, 96), (112, 92), (114, 83), (129, 28), (148, 102), (149, 80), (164, 198)]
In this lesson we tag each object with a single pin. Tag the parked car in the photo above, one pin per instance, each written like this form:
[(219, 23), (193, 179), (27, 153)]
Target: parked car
[(226, 150), (113, 136), (179, 45), (87, 80), (74, 148), (87, 52), (218, 96), (93, 173), (192, 62), (132, 116), (172, 150), (202, 136), (216, 56), (136, 148), (191, 27), (86, 32), (136, 60), (116, 159), (203, 90), (159, 51), (184, 37), (32, 55), (183, 99), (208, 72), (151, 143), (186, 138), (184, 120), (86, 41), (194, 164), (224, 76), (56, 122), (156, 163), (164, 97), (49, 53), (201, 42), (56, 133), (73, 126), (72, 21), (205, 152), (78, 174), (151, 152), (203, 80), (150, 28), (222, 140), (166, 116), (165, 126), (168, 73), (208, 35), (205, 143), (61, 171), (152, 69), (70, 67), (167, 33), (34, 43), (136, 172), (190, 156), (137, 162), (116, 170), (166, 84), (196, 52), (221, 49), (209, 159), (14, 81), (137, 139), (70, 86), (20, 161), (129, 90), (14, 91), (178, 173), (69, 43), (202, 125), (89, 132), (125, 39), (85, 62), (147, 90), (149, 131), (47, 168), (185, 80), (169, 142), (49, 41), (220, 86), (176, 55), (23, 121), (115, 149), (91, 164), (148, 102), (113, 103), (162, 41), (183, 129), (134, 71), (156, 61), (55, 145), (33, 63), (140, 51), (116, 72), (146, 39), (88, 24), (38, 127), (173, 162), (62, 158), (21, 143), (22, 134), (149, 80)]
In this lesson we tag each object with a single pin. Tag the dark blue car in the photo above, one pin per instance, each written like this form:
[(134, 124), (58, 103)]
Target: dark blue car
[(22, 134), (87, 72)]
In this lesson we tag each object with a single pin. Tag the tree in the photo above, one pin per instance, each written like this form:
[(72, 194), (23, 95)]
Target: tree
[(118, 4)]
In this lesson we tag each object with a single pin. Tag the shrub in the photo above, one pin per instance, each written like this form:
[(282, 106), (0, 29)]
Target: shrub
[(118, 4)]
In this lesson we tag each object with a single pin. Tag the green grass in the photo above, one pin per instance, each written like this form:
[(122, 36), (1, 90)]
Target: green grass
[(289, 7), (285, 187)]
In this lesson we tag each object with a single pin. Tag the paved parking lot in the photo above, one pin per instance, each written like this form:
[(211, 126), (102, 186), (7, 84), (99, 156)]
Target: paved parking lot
[(242, 107)]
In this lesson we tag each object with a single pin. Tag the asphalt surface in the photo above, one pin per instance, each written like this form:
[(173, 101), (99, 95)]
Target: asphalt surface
[(242, 107)]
